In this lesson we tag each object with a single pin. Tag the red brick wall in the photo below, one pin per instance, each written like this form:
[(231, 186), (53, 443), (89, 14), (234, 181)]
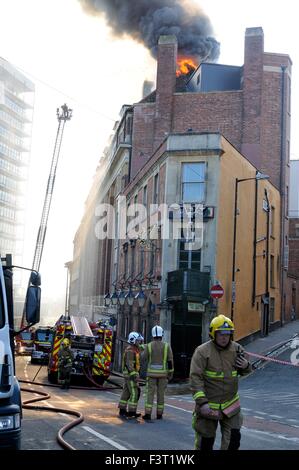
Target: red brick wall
[(142, 138), (252, 94), (291, 299), (293, 248), (250, 118), (166, 82), (209, 112)]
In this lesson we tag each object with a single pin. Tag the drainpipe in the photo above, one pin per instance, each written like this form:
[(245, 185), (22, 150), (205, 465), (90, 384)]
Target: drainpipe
[(267, 292), (254, 244), (234, 249), (282, 193)]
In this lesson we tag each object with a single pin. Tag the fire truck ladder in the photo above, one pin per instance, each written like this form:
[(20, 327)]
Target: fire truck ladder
[(64, 115), (81, 326)]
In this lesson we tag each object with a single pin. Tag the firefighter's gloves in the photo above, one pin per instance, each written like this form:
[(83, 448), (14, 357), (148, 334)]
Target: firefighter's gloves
[(204, 410), (241, 362)]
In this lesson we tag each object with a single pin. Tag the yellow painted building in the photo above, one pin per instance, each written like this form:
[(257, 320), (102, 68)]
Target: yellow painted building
[(256, 245)]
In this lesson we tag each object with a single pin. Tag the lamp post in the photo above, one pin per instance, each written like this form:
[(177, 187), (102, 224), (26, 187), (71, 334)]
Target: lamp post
[(107, 300), (266, 319), (258, 176)]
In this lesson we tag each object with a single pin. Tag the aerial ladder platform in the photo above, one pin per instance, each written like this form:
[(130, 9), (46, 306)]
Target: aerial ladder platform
[(63, 114)]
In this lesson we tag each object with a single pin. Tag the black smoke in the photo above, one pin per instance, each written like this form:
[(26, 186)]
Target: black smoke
[(146, 20)]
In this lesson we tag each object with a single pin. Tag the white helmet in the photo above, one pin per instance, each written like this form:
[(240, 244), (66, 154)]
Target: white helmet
[(157, 332), (133, 337)]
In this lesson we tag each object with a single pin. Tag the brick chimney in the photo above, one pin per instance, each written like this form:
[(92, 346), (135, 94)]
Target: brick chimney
[(252, 93), (166, 80)]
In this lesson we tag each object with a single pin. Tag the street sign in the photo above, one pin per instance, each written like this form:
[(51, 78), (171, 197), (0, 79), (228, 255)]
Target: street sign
[(195, 307), (217, 291)]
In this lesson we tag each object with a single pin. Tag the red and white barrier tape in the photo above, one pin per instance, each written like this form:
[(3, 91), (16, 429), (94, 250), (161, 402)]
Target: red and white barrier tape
[(265, 358)]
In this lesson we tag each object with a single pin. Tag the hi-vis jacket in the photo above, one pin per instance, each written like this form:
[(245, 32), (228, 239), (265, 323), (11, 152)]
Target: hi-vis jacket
[(131, 361), (159, 358), (214, 377)]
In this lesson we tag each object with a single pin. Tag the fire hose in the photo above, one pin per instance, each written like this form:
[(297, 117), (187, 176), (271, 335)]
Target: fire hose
[(45, 396), (66, 427)]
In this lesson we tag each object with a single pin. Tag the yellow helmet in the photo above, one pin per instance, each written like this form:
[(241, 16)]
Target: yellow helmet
[(221, 323), (66, 342)]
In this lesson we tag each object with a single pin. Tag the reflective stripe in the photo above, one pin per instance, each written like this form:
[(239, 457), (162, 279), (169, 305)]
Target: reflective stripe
[(214, 375), (133, 394), (218, 406), (199, 395), (218, 375), (227, 403), (214, 406), (155, 367), (162, 371)]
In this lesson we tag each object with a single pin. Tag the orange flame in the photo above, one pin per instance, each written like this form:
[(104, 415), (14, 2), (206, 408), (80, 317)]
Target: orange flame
[(185, 65)]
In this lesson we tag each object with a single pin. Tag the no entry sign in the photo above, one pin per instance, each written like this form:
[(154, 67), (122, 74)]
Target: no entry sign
[(217, 291)]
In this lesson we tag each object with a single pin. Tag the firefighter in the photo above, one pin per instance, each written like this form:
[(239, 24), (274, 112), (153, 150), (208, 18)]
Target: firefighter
[(65, 363), (215, 368), (159, 358), (131, 367)]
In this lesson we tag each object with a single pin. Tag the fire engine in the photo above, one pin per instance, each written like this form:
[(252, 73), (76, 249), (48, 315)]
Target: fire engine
[(42, 343), (91, 349), (24, 343)]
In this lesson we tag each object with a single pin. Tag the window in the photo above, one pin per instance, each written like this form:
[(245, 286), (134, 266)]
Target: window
[(144, 200), (152, 260), (143, 329), (272, 309), (188, 259), (141, 259), (125, 250), (2, 319), (126, 327), (193, 182), (272, 273), (272, 221), (133, 258), (156, 189)]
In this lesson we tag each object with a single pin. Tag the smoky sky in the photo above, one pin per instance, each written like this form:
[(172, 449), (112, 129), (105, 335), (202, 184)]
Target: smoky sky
[(146, 20)]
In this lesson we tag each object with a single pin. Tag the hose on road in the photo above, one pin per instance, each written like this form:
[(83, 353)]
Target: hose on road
[(45, 396)]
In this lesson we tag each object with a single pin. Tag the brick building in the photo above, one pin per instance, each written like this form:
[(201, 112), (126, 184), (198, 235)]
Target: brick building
[(250, 107), (292, 305)]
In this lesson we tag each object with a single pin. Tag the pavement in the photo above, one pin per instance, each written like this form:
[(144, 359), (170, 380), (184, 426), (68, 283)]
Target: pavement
[(274, 339)]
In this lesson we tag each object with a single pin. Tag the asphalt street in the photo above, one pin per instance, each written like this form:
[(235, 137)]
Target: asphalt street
[(269, 399)]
